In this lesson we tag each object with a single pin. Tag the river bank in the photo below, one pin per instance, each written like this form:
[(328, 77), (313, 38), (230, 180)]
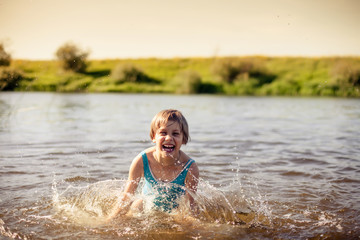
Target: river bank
[(256, 75)]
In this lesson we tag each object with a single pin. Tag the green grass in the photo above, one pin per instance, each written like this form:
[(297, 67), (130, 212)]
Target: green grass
[(279, 76)]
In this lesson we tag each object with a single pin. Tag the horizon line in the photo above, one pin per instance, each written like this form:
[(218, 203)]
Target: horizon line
[(184, 57)]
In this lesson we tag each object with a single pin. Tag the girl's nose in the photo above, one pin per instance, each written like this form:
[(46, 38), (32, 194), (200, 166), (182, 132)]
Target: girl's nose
[(167, 137)]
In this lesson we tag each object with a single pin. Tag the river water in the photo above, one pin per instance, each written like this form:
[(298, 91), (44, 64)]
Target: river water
[(271, 168)]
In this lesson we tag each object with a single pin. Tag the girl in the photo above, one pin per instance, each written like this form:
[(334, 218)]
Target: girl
[(168, 172)]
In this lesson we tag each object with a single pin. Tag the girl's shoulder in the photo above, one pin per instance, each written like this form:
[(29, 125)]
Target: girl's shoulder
[(148, 151), (186, 158), (136, 167), (139, 158)]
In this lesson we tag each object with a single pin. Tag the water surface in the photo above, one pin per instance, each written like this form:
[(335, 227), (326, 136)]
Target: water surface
[(270, 168)]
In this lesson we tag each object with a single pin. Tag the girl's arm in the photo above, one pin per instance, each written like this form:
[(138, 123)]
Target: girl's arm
[(135, 173), (191, 183)]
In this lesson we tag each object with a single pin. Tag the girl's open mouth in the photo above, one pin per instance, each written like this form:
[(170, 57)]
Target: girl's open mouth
[(168, 147)]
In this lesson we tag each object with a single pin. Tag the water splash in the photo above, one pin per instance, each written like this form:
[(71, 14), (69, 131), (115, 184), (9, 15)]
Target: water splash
[(220, 209), (89, 204)]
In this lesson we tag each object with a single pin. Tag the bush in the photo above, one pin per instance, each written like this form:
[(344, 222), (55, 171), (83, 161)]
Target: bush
[(187, 82), (346, 72), (242, 87), (5, 58), (130, 73), (72, 57), (231, 69), (9, 78)]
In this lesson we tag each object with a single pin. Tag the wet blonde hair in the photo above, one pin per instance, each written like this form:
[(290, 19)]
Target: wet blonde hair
[(165, 116)]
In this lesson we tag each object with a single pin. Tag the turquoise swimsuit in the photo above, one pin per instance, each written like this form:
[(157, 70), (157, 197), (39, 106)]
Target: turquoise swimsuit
[(166, 193)]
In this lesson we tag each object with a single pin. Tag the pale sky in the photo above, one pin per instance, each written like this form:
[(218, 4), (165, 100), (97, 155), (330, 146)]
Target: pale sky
[(35, 29)]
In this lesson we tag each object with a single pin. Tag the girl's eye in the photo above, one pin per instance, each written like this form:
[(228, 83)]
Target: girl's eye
[(176, 134), (162, 133)]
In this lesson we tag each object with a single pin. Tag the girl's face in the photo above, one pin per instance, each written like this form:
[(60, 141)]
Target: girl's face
[(169, 139)]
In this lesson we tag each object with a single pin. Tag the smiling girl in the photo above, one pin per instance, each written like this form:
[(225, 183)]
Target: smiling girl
[(168, 172)]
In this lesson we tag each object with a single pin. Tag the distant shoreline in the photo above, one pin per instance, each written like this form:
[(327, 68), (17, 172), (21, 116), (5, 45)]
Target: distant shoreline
[(238, 76)]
